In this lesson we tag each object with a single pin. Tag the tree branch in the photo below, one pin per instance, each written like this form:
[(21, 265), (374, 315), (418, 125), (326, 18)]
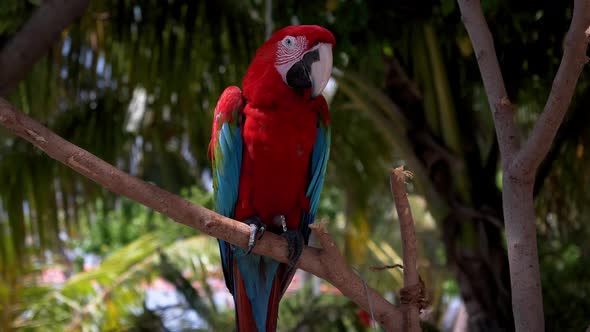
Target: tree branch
[(412, 293), (520, 166), (268, 22), (517, 201), (326, 263), (493, 82), (573, 61), (35, 38)]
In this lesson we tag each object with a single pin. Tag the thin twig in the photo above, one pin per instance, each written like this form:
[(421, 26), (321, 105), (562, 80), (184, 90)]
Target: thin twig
[(326, 263), (268, 22), (386, 267), (412, 284)]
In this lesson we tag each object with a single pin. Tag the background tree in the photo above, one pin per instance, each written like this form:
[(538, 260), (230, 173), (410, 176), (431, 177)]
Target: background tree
[(135, 83)]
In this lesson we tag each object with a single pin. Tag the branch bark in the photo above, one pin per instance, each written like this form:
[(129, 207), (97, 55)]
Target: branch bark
[(413, 288), (485, 52), (520, 165), (35, 38), (573, 61), (326, 263), (268, 22)]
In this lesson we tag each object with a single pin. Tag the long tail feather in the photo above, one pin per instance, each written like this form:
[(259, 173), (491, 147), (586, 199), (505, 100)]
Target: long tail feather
[(257, 295), (244, 316), (273, 302)]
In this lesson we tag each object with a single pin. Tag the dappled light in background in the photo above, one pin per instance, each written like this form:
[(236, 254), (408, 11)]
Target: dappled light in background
[(135, 83)]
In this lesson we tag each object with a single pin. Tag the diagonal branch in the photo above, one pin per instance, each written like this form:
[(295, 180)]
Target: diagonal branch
[(325, 263), (34, 40), (493, 82), (573, 61)]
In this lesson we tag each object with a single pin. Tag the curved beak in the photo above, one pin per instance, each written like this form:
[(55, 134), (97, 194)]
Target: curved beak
[(312, 71), (321, 70)]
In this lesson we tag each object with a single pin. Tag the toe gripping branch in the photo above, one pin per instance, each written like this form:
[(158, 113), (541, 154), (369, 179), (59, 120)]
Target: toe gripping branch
[(257, 229), (294, 237), (294, 246)]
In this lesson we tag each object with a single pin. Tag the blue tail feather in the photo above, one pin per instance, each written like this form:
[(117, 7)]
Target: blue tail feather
[(258, 273)]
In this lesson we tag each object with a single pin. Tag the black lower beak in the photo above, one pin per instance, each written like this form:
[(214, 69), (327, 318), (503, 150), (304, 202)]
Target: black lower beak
[(299, 75)]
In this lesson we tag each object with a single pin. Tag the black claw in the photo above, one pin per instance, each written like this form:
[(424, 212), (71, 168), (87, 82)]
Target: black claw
[(257, 229), (295, 246)]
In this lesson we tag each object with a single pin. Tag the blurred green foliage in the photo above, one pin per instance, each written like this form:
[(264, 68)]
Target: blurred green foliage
[(135, 83)]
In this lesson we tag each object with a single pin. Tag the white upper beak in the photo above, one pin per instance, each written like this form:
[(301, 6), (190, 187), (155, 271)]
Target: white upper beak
[(321, 70)]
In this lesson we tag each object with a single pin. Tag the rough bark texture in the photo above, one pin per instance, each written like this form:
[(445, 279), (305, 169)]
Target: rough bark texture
[(574, 59), (413, 288), (481, 270), (326, 263), (35, 39), (520, 165)]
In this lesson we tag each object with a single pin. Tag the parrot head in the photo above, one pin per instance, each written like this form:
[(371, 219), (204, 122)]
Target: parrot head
[(296, 59)]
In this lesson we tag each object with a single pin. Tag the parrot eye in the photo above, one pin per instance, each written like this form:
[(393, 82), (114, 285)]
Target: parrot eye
[(288, 41), (289, 49)]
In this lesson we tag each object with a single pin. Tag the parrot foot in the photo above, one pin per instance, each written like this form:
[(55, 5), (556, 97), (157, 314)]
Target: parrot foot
[(257, 229), (295, 246), (280, 221)]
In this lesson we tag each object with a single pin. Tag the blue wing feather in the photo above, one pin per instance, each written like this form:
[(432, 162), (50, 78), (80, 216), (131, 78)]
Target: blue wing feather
[(226, 156), (319, 161), (227, 172)]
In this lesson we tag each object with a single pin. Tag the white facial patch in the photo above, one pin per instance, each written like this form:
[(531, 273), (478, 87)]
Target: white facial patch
[(290, 50)]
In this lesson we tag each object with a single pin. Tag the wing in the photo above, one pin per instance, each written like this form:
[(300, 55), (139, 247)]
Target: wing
[(225, 152), (318, 164)]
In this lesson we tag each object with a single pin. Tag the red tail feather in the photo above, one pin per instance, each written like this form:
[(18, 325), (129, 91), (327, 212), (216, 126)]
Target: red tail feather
[(273, 302), (245, 318)]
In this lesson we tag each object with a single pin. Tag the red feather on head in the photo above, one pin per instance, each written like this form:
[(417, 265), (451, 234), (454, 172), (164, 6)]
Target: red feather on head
[(263, 83)]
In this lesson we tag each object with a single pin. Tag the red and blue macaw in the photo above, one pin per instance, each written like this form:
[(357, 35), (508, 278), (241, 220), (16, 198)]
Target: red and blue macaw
[(269, 150)]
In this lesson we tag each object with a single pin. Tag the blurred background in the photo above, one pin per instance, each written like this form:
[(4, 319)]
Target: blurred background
[(135, 83)]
